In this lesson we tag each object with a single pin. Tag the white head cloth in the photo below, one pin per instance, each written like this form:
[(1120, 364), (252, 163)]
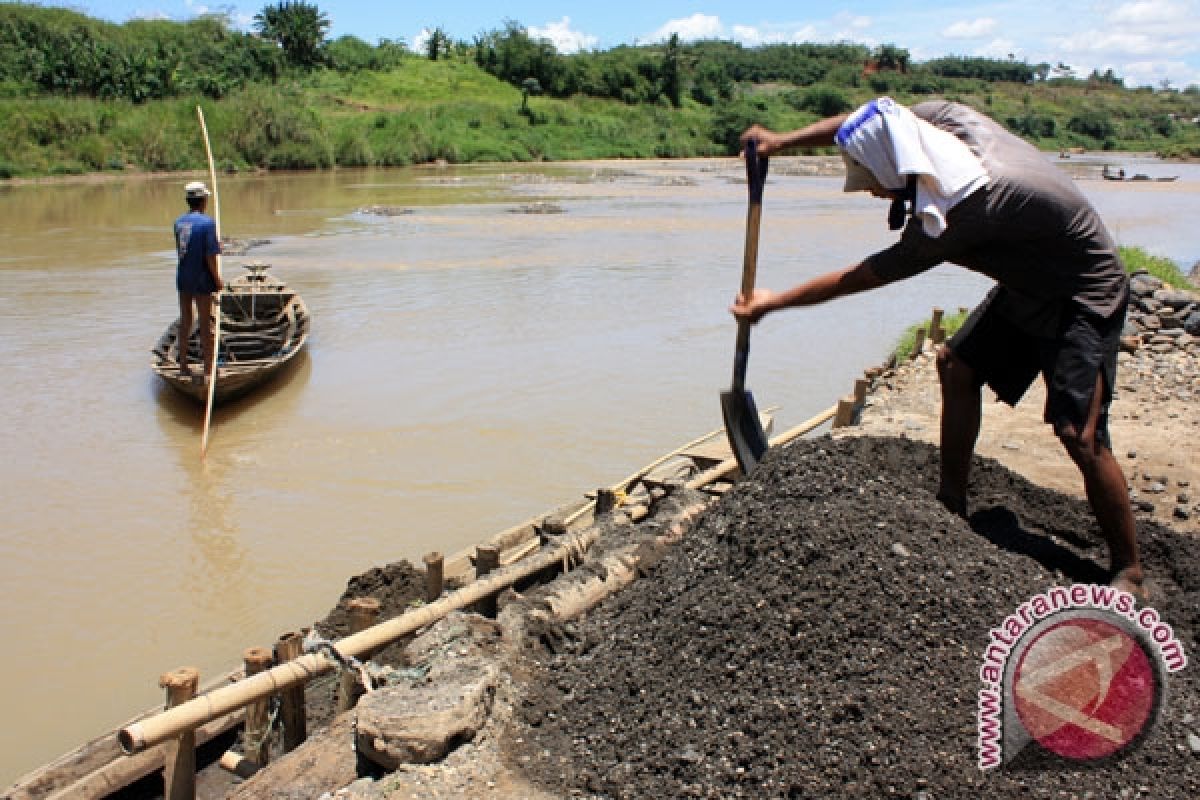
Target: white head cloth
[(893, 143)]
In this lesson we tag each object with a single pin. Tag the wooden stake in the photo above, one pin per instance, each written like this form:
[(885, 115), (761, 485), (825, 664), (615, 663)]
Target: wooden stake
[(257, 737), (845, 413), (292, 711), (919, 342), (860, 391), (936, 332), (179, 766), (364, 613), (434, 575), (487, 559)]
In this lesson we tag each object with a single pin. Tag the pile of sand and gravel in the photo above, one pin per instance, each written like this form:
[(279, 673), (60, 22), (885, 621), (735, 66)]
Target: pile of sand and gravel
[(819, 633)]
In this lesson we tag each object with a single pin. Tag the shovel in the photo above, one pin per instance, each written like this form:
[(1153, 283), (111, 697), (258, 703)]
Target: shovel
[(747, 438)]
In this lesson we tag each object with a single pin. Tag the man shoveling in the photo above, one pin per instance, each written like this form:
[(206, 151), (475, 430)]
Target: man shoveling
[(968, 192)]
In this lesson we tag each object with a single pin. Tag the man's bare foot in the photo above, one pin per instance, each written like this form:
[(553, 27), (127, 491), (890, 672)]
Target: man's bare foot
[(1131, 580), (955, 505)]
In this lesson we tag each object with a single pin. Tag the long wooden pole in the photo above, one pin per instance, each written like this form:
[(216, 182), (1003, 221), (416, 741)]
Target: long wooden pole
[(212, 372)]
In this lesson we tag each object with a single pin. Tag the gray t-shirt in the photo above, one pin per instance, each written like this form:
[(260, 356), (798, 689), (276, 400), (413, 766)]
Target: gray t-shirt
[(1030, 229)]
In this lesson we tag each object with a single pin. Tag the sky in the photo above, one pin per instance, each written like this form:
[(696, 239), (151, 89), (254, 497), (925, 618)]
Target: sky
[(1146, 42)]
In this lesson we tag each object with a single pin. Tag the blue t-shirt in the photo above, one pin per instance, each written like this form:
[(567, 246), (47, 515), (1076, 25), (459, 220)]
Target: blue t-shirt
[(195, 238)]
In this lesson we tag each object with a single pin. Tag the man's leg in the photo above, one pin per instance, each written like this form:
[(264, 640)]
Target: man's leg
[(961, 410), (185, 330), (1107, 493), (207, 332)]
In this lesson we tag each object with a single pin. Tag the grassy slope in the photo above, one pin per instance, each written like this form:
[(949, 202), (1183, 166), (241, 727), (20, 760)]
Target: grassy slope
[(427, 110)]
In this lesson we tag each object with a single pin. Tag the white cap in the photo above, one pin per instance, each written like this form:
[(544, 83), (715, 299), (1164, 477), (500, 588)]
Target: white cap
[(196, 189)]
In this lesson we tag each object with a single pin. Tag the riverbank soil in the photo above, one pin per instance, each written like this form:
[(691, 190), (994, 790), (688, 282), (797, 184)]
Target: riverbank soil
[(820, 633)]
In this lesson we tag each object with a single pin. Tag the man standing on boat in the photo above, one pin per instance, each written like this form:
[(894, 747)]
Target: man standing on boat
[(968, 192), (197, 275)]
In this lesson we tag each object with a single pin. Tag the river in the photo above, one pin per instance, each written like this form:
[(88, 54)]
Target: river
[(469, 366)]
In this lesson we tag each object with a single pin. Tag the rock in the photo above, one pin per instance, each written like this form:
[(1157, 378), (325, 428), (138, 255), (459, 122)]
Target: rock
[(1181, 512), (900, 550), (1192, 323), (1194, 743), (1174, 298), (1143, 283), (423, 722)]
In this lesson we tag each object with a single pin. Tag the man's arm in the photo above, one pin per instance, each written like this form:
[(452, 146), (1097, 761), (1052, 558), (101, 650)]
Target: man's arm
[(825, 287), (210, 261), (819, 134)]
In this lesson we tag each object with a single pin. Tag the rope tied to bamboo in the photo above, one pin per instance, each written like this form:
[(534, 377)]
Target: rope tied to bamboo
[(252, 744), (316, 643)]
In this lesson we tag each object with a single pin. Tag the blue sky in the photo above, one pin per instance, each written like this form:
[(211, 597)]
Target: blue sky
[(1143, 41)]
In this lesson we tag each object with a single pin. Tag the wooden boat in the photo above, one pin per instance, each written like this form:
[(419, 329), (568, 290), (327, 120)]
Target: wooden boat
[(264, 324)]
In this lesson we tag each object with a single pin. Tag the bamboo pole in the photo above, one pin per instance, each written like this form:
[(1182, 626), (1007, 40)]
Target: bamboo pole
[(212, 374), (257, 738), (179, 766), (291, 701), (364, 613), (146, 733)]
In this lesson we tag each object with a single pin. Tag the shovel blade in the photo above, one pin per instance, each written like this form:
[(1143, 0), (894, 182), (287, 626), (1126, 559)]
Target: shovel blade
[(747, 438)]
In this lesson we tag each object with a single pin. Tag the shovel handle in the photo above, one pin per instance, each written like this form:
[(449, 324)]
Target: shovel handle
[(756, 179)]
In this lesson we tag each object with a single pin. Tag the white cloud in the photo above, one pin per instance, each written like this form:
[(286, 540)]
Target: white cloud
[(565, 40), (697, 26), (1000, 48), (1095, 42), (417, 43), (1150, 12), (752, 36), (976, 29)]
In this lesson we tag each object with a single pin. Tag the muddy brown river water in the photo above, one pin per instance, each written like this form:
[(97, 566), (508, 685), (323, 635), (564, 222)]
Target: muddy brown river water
[(469, 366)]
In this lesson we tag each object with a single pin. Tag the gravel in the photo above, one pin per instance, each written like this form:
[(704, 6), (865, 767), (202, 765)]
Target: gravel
[(819, 633)]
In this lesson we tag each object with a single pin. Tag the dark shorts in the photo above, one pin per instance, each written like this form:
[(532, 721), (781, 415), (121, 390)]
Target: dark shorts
[(1007, 359), (194, 281)]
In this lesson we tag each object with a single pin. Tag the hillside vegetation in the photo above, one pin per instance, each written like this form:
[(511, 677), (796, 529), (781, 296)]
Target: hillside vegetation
[(81, 95)]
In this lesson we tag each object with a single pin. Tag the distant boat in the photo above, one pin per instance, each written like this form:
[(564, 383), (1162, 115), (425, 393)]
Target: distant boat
[(264, 324), (1119, 175)]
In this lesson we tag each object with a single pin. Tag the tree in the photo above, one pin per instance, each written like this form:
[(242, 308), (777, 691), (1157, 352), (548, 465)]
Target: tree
[(672, 82), (437, 44), (529, 86), (889, 56), (298, 28)]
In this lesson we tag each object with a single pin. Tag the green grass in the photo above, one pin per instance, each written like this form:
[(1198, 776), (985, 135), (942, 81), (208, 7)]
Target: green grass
[(906, 346), (1138, 260)]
